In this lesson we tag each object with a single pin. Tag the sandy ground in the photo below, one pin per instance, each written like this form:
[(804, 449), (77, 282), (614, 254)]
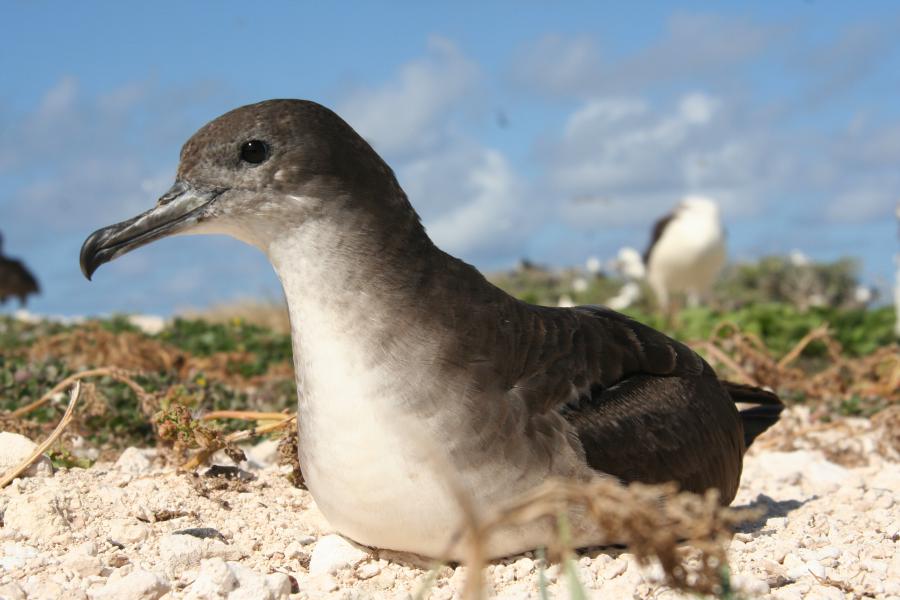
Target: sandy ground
[(139, 530)]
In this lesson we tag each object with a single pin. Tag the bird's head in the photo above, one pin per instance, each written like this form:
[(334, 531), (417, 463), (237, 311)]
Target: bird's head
[(699, 205), (257, 172)]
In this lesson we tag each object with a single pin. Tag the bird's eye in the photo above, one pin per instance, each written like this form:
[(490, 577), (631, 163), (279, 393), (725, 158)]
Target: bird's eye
[(254, 151)]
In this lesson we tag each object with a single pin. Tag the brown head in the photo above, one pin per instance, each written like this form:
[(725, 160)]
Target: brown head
[(259, 169)]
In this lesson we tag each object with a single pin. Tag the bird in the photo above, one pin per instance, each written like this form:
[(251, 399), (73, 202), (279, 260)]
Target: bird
[(629, 264), (686, 251), (15, 279), (417, 378)]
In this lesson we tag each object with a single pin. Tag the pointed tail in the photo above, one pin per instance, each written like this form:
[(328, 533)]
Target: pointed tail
[(760, 417)]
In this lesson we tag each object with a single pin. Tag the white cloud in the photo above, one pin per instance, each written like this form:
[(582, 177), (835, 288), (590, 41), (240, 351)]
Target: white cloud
[(58, 100), (471, 201), (622, 148), (410, 113), (693, 48), (559, 65)]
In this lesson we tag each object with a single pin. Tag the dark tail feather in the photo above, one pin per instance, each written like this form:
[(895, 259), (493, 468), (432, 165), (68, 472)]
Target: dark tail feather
[(760, 417)]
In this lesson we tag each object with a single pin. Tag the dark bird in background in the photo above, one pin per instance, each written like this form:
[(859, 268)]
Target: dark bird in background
[(15, 279)]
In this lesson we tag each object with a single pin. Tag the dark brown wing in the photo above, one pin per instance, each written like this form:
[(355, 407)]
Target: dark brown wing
[(658, 228), (644, 407)]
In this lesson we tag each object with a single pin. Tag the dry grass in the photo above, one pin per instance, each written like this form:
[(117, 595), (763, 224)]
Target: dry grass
[(94, 345), (685, 532), (744, 357), (138, 353)]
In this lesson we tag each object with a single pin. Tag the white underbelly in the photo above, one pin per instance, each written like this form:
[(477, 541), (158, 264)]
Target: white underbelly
[(385, 468), (385, 479), (372, 481)]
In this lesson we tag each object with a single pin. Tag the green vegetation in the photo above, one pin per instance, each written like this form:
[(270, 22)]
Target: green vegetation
[(202, 338), (860, 331), (233, 364)]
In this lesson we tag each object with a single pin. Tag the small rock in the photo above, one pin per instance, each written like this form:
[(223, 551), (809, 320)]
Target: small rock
[(135, 461), (182, 552), (128, 531), (295, 548), (16, 555), (82, 565), (39, 515), (326, 583), (875, 566), (279, 585), (253, 586), (384, 581), (884, 501), (523, 567), (788, 593), (826, 592), (750, 585), (137, 585), (219, 579), (817, 570), (215, 580), (810, 467), (88, 548), (11, 591), (14, 448), (828, 552), (616, 568), (776, 575), (41, 588), (368, 570), (828, 476), (333, 553), (887, 478), (263, 454)]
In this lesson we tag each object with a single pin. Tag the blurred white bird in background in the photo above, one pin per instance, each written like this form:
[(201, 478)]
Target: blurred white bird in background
[(686, 251), (629, 264)]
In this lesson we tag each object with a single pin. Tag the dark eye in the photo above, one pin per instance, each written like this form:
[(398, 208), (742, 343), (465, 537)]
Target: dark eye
[(254, 151)]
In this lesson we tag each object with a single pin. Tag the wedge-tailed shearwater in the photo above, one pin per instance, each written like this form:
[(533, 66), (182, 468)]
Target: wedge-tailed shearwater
[(416, 375)]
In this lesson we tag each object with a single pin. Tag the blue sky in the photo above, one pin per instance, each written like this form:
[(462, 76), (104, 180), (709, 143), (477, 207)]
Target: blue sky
[(553, 131)]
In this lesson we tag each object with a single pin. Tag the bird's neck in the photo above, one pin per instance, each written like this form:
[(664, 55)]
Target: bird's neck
[(372, 292), (336, 267)]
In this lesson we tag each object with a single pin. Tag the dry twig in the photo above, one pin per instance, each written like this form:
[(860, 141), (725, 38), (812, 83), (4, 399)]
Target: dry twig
[(246, 415), (63, 423)]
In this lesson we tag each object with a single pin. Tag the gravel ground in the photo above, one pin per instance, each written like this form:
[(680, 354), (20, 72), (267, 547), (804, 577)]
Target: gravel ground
[(137, 529)]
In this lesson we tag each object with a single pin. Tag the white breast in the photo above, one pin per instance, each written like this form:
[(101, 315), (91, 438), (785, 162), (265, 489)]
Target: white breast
[(689, 254), (365, 463)]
